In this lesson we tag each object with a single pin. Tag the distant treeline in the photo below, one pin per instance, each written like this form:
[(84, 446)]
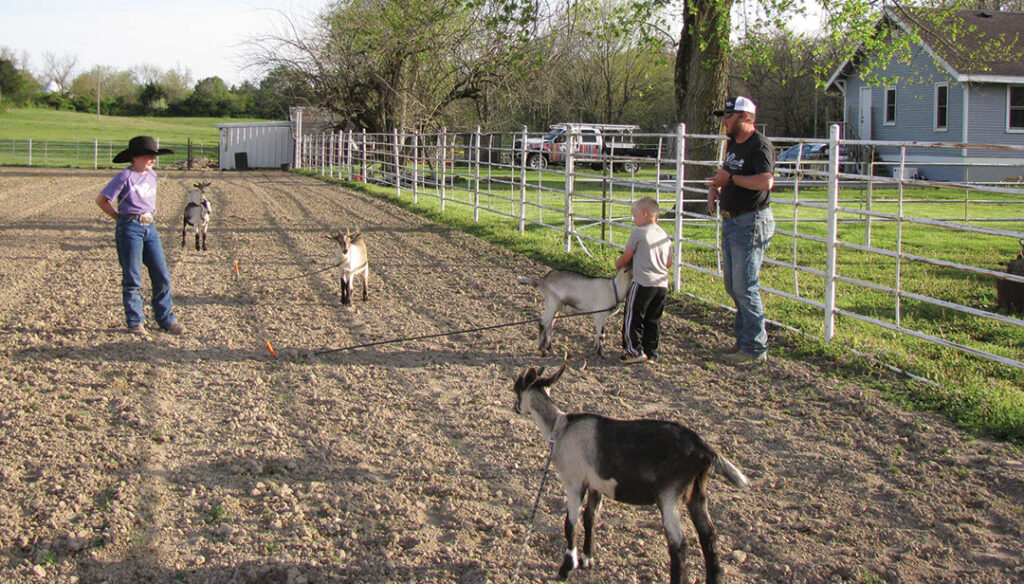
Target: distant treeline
[(144, 93)]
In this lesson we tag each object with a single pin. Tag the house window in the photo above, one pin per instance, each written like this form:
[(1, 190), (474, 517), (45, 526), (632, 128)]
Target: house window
[(890, 106), (1015, 108), (941, 106)]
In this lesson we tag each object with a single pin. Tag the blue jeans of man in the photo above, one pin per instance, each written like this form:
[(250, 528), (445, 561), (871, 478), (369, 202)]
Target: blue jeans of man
[(139, 245), (744, 241)]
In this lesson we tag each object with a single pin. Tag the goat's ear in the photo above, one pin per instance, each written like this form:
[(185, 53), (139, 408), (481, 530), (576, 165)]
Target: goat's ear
[(526, 379), (357, 236), (554, 377), (521, 382)]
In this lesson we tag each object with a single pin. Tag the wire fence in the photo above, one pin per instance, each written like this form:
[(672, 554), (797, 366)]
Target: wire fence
[(857, 240), (97, 153)]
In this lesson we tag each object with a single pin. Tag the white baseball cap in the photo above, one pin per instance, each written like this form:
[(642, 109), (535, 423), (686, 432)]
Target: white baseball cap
[(736, 104)]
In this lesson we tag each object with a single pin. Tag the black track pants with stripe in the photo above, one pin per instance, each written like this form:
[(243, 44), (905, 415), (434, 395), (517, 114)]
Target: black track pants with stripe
[(641, 320)]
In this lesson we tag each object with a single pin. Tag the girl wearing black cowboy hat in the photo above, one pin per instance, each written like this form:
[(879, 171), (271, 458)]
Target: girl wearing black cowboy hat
[(130, 199)]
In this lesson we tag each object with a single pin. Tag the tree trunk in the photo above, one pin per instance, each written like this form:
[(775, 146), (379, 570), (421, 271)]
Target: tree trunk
[(702, 67)]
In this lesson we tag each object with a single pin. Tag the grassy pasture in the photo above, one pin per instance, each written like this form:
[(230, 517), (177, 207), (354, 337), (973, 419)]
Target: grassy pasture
[(982, 396), (46, 124)]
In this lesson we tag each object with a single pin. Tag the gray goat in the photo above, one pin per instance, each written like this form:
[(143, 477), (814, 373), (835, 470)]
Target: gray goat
[(574, 293), (351, 260), (641, 462), (197, 213)]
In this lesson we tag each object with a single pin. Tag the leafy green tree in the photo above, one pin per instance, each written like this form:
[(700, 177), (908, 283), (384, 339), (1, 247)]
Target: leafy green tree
[(210, 98), (401, 63), (779, 70), (16, 86), (153, 98), (177, 83)]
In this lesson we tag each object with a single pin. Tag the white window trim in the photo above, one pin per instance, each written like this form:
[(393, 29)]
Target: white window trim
[(935, 108), (885, 109), (1010, 130)]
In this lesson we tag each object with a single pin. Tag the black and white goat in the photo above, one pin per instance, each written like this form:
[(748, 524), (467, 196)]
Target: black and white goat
[(573, 293), (351, 260), (197, 213), (642, 462)]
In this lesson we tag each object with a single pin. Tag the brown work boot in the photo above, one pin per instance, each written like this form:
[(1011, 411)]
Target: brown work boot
[(174, 328), (740, 357)]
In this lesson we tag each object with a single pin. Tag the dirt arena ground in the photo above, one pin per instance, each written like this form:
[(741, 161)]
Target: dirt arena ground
[(203, 458)]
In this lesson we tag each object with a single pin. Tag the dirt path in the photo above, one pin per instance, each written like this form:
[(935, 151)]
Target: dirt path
[(204, 459)]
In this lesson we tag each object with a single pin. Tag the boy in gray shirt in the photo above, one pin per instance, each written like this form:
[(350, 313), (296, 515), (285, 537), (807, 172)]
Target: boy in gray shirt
[(650, 250)]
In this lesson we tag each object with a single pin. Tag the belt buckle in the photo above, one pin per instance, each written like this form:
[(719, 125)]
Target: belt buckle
[(728, 214), (146, 218)]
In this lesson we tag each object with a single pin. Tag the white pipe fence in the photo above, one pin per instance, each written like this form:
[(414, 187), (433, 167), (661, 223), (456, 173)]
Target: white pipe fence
[(854, 238), (91, 153)]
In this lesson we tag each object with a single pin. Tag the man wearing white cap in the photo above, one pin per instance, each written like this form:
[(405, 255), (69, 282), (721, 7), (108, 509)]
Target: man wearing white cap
[(741, 191)]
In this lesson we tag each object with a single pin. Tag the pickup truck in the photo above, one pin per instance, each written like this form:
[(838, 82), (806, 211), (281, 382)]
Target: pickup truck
[(593, 142)]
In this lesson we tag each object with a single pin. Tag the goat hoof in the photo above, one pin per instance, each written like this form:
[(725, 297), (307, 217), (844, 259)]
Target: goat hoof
[(587, 563), (568, 565)]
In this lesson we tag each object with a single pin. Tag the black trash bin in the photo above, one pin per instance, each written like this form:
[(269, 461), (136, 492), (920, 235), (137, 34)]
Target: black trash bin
[(241, 161)]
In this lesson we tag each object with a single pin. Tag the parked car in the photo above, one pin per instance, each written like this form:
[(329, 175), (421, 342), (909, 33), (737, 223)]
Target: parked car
[(814, 157)]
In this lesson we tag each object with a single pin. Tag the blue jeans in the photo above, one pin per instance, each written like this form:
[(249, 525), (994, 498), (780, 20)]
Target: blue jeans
[(139, 245), (744, 240)]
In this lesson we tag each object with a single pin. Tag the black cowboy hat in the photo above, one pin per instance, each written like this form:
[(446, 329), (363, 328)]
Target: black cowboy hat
[(140, 145)]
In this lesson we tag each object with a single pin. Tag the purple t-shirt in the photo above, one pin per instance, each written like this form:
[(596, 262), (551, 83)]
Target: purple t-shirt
[(132, 193)]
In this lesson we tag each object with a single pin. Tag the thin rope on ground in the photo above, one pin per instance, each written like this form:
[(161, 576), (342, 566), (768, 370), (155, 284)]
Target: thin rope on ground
[(533, 514), (448, 333)]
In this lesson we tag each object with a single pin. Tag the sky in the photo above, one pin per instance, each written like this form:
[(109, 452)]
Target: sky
[(205, 37)]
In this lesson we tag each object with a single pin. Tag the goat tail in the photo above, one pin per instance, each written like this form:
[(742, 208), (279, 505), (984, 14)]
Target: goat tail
[(735, 475), (528, 281)]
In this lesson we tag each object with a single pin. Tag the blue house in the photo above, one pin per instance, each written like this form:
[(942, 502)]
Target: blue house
[(963, 90)]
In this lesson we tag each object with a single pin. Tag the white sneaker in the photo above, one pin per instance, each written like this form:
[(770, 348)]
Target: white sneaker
[(630, 360)]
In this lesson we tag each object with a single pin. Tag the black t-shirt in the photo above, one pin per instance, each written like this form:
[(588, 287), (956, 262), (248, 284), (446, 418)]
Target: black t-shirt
[(756, 155)]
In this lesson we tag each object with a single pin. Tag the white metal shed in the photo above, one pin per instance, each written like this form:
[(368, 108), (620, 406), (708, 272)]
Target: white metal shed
[(256, 145)]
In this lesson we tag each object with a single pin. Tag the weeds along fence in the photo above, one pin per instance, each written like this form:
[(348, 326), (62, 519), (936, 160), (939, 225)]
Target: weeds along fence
[(95, 153), (858, 245)]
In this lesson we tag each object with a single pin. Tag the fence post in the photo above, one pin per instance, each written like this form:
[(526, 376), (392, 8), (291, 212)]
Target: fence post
[(522, 182), (363, 161), (443, 159), (830, 238), (323, 154), (415, 167), (398, 173), (95, 153), (679, 205), (348, 155), (476, 178), (570, 172), (899, 240), (341, 153)]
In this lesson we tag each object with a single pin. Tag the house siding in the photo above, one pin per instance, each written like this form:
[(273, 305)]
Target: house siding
[(915, 121)]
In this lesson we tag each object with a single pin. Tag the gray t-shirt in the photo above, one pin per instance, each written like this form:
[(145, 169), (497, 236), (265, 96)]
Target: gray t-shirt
[(651, 250)]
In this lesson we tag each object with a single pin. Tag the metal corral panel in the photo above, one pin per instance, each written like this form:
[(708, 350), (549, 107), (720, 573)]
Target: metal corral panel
[(261, 145)]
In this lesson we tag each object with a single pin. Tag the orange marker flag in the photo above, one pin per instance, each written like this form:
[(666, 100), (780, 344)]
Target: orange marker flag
[(271, 349), (236, 267)]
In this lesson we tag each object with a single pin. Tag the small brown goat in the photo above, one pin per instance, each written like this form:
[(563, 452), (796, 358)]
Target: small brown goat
[(1009, 294)]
